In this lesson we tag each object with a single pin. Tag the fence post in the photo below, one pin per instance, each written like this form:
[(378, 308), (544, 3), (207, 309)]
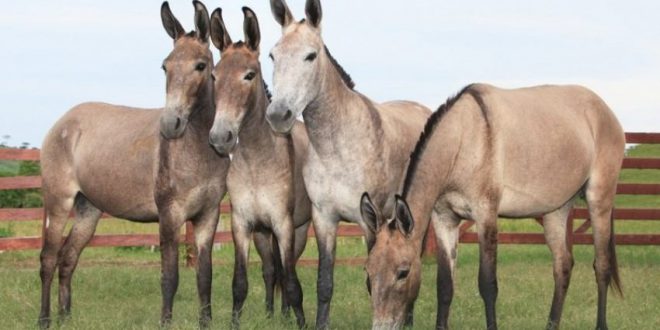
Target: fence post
[(191, 253), (569, 231)]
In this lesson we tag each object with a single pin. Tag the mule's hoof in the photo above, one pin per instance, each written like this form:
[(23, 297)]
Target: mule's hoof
[(43, 323)]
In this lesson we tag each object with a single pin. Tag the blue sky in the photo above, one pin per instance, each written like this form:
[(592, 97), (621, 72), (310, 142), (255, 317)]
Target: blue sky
[(56, 54)]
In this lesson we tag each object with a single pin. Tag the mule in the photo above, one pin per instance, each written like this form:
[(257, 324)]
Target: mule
[(490, 152), (141, 165), (356, 144), (265, 176)]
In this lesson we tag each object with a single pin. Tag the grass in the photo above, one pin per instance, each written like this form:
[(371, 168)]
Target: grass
[(126, 295)]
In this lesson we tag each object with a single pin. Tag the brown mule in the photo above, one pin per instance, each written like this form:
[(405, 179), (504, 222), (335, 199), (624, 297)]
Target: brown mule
[(141, 165), (492, 152), (265, 180)]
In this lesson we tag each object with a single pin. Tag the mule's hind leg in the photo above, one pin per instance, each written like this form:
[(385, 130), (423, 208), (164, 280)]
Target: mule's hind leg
[(84, 226), (487, 232), (263, 245), (241, 234), (300, 237), (600, 198), (57, 213), (284, 233), (446, 232), (554, 226), (204, 228)]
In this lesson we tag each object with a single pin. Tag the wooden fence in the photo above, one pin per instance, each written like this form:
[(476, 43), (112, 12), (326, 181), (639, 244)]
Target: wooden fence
[(576, 235)]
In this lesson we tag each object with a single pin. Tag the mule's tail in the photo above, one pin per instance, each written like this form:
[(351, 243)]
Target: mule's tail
[(615, 283)]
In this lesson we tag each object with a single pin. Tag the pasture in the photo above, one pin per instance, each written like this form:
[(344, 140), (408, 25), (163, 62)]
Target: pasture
[(119, 287)]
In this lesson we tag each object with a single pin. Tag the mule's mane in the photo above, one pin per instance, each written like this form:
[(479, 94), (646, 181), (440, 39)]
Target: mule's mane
[(268, 94), (425, 136), (344, 75)]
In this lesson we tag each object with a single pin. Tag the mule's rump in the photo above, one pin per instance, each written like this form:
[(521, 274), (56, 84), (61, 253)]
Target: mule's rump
[(107, 153)]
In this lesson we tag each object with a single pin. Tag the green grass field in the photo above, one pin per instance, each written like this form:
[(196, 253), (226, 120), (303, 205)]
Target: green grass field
[(119, 287)]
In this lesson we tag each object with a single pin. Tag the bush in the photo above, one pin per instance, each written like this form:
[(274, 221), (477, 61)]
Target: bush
[(21, 198)]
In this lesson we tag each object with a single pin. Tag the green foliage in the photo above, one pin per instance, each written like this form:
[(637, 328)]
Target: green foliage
[(7, 230), (19, 198)]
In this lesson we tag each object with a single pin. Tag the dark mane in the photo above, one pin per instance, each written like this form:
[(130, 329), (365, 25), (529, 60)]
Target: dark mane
[(429, 127), (344, 76), (268, 94)]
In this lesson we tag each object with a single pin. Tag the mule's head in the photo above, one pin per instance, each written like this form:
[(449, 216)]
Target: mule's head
[(237, 79), (297, 58), (393, 266), (187, 69)]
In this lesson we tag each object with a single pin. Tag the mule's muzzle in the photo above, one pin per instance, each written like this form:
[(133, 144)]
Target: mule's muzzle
[(223, 140), (280, 117), (172, 126)]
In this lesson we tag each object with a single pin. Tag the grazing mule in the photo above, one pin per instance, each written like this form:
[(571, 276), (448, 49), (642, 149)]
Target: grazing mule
[(265, 176), (141, 165), (356, 145), (490, 152)]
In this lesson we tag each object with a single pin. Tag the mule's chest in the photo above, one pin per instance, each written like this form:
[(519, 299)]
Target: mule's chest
[(335, 187)]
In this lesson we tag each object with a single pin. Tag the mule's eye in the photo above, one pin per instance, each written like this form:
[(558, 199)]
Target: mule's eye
[(310, 57), (200, 66), (402, 274), (250, 75), (164, 68), (271, 56)]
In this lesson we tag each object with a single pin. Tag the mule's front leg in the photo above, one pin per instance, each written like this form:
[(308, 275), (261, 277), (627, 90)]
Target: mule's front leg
[(169, 254), (325, 227), (204, 228), (241, 234), (446, 234), (285, 236), (487, 231)]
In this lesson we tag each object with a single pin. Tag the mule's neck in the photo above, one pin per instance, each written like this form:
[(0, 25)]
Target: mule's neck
[(256, 138), (339, 114), (433, 176), (202, 115)]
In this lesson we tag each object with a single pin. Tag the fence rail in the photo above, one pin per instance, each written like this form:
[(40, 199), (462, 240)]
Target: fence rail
[(576, 236)]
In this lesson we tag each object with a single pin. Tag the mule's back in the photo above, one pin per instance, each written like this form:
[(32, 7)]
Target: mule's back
[(531, 127), (107, 153)]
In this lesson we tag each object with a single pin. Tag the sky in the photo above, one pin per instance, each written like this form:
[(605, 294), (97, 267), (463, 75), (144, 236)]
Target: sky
[(56, 54)]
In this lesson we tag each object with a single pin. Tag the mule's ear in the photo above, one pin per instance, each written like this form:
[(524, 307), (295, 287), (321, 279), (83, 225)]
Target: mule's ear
[(219, 34), (170, 23), (281, 12), (314, 12), (201, 21), (251, 29), (403, 217), (370, 213)]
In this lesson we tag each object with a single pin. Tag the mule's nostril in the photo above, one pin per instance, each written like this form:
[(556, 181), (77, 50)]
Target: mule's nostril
[(230, 136), (178, 124), (287, 115)]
